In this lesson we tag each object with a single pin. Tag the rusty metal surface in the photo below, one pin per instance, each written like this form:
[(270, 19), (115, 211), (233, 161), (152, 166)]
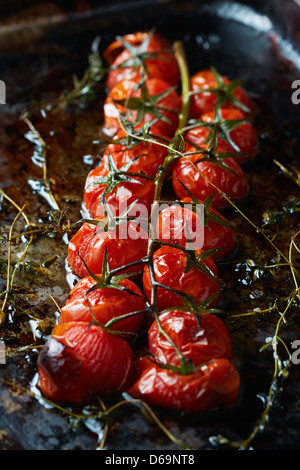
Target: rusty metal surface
[(38, 59)]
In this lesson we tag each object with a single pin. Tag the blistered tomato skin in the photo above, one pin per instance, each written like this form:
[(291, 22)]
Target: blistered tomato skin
[(169, 106), (104, 304), (169, 267), (172, 225), (244, 136), (88, 246), (200, 339), (215, 385), (205, 102), (81, 359), (162, 64), (197, 176)]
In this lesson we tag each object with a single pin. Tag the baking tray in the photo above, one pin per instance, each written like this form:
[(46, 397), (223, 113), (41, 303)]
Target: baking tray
[(42, 45)]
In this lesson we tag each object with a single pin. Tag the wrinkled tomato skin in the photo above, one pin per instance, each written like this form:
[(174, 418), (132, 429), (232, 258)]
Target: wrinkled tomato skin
[(79, 360), (202, 103), (215, 385), (244, 136), (148, 156), (139, 193), (201, 339), (163, 66), (172, 222), (169, 265), (234, 185), (171, 104), (104, 304), (89, 244)]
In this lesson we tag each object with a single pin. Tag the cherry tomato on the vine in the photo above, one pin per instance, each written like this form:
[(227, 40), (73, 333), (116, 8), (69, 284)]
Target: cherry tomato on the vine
[(104, 304), (204, 178), (145, 156), (244, 136), (147, 53), (88, 246), (132, 196), (214, 385), (170, 270), (79, 360), (199, 338), (172, 223), (160, 107), (205, 101)]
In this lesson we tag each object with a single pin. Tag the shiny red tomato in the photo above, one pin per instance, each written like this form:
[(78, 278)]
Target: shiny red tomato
[(104, 304), (167, 107), (153, 55), (232, 182), (79, 360), (205, 102), (171, 227), (214, 385), (169, 267), (200, 339), (89, 243), (145, 156), (244, 136), (137, 193)]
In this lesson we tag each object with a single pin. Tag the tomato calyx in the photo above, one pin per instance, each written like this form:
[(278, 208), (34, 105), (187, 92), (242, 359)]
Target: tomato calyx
[(147, 104), (108, 278), (209, 214), (224, 92), (139, 54), (116, 176), (219, 128)]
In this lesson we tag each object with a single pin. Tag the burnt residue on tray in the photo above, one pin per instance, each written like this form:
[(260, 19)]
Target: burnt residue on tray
[(36, 72)]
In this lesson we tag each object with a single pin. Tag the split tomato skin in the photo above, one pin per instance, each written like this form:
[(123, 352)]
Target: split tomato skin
[(162, 65), (138, 194), (205, 102), (170, 105), (244, 136), (88, 246), (199, 339), (169, 267), (215, 385), (104, 304), (171, 227), (79, 360), (232, 182)]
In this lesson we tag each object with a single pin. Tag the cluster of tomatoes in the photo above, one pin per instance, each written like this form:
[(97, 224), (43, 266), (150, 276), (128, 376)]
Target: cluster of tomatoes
[(189, 362)]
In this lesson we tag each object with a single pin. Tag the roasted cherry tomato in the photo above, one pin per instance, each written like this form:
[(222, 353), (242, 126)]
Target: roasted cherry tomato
[(104, 304), (200, 339), (151, 54), (231, 181), (214, 385), (169, 267), (244, 136), (79, 360), (88, 246), (146, 157), (205, 102), (132, 197), (160, 110), (172, 223)]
